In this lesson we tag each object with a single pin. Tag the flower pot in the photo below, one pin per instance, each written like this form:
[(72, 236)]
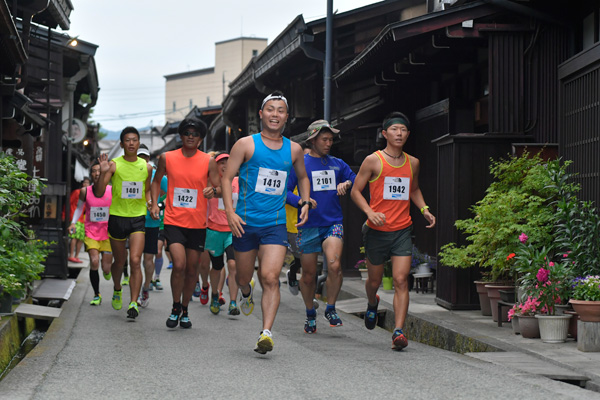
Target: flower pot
[(573, 323), (589, 311), (507, 296), (529, 326), (515, 325), (388, 283), (559, 309), (494, 295), (364, 273), (423, 269), (553, 328), (484, 300), (5, 303)]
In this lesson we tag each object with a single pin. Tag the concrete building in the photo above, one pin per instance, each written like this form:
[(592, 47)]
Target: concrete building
[(208, 86)]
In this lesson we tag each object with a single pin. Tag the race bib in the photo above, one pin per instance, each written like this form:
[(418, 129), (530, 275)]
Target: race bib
[(234, 197), (185, 198), (395, 188), (270, 181), (131, 190), (323, 180), (98, 214)]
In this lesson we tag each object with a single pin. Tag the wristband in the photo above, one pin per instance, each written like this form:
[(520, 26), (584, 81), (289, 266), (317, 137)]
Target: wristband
[(305, 203), (423, 209), (215, 190)]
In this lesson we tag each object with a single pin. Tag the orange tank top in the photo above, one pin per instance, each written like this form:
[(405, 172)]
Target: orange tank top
[(390, 194), (186, 206)]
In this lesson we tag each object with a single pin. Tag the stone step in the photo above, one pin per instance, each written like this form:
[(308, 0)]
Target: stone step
[(37, 312), (54, 289)]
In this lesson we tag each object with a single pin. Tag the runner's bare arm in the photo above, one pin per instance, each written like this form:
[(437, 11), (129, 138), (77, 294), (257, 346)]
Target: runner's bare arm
[(417, 196), (368, 170), (107, 169), (155, 187), (148, 187)]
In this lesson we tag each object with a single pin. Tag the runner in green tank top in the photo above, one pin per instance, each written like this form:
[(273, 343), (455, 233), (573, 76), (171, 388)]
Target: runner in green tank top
[(131, 198)]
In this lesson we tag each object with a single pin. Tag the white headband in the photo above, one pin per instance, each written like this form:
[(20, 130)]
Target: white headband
[(274, 97)]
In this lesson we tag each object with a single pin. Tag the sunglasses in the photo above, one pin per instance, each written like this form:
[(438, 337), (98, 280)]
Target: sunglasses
[(191, 133)]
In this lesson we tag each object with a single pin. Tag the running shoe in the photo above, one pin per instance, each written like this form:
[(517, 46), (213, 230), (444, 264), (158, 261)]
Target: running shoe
[(170, 266), (173, 319), (292, 284), (247, 303), (97, 301), (117, 299), (106, 276), (132, 311), (125, 281), (371, 316), (185, 322), (196, 290), (157, 284), (144, 298), (204, 295), (221, 299), (233, 308), (215, 306), (265, 343), (333, 318), (310, 325), (399, 341)]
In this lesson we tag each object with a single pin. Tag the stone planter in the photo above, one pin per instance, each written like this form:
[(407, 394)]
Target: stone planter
[(529, 326), (484, 300), (515, 325), (494, 295), (364, 273), (560, 309), (589, 311), (553, 328)]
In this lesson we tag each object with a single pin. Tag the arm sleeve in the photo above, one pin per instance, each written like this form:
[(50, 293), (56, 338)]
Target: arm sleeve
[(291, 198), (78, 212)]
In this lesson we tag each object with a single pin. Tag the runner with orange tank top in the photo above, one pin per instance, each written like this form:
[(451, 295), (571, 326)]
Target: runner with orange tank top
[(189, 171), (393, 178)]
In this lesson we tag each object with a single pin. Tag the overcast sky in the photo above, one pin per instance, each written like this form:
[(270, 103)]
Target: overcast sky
[(141, 41)]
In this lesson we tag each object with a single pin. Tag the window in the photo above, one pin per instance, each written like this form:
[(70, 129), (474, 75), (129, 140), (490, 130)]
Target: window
[(254, 53)]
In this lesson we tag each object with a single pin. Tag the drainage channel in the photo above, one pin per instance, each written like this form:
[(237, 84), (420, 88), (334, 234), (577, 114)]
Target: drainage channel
[(26, 346)]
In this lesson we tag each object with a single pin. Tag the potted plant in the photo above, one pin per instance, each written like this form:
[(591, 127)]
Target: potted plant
[(520, 199), (361, 265), (9, 285), (388, 279), (525, 312), (585, 298), (552, 287)]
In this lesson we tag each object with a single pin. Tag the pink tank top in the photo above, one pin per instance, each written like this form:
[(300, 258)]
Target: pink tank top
[(96, 214), (217, 219)]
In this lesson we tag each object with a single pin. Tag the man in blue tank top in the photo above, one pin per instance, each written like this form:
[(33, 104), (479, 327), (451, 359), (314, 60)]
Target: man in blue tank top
[(258, 224)]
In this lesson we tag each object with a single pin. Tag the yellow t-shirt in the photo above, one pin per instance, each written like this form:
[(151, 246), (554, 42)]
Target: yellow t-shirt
[(291, 214), (129, 188)]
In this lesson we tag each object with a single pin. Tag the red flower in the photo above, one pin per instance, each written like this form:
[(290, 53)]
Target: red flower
[(511, 255)]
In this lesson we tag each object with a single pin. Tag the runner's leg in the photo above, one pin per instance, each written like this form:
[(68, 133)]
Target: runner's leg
[(271, 258)]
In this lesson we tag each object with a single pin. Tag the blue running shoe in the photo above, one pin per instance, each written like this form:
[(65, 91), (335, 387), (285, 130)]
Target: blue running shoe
[(310, 325), (333, 318), (173, 318), (185, 322), (371, 316), (399, 341)]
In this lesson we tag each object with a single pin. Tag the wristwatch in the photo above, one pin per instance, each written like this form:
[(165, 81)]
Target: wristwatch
[(305, 203), (215, 190)]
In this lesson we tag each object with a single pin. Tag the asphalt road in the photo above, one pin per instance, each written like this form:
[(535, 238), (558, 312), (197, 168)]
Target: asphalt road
[(95, 352)]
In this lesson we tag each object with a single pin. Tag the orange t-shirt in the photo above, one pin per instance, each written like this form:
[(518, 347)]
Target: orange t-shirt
[(186, 206), (390, 194)]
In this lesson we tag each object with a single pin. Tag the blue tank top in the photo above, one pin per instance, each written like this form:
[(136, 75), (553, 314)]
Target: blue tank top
[(263, 184)]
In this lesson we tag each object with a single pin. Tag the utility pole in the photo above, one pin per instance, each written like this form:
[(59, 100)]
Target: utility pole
[(328, 61)]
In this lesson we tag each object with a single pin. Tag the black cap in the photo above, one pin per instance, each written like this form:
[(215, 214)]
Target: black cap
[(199, 125)]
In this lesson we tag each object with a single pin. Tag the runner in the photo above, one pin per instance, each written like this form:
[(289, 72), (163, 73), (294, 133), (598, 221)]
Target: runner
[(189, 171), (96, 230), (324, 231), (393, 178), (131, 187), (78, 234), (151, 242), (162, 242), (218, 243), (264, 161)]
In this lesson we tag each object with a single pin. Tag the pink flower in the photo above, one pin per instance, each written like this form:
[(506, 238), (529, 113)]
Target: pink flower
[(551, 264), (565, 255), (523, 238), (542, 275)]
